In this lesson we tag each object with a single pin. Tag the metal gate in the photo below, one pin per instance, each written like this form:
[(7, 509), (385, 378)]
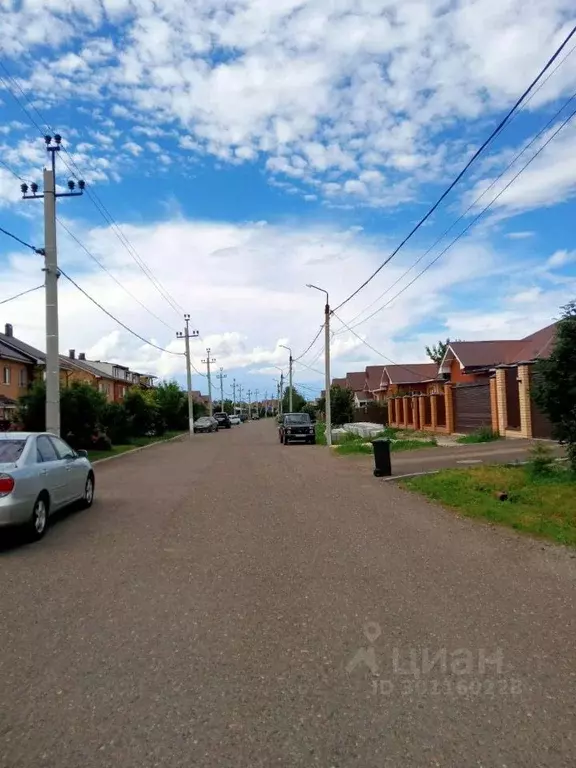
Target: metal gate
[(471, 407), (512, 399)]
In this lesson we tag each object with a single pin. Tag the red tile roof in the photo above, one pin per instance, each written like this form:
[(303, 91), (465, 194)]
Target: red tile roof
[(411, 373), (356, 381), (339, 383), (374, 377), (485, 354)]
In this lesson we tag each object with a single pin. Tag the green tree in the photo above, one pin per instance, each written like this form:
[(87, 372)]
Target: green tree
[(298, 402), (172, 405), (437, 351), (32, 408), (81, 409), (554, 382), (311, 409), (341, 405), (116, 424), (142, 414)]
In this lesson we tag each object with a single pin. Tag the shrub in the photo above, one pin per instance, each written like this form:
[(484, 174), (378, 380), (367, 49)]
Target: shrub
[(541, 460), (116, 423)]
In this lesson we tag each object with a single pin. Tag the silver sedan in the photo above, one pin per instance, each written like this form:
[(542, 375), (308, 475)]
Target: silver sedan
[(40, 474)]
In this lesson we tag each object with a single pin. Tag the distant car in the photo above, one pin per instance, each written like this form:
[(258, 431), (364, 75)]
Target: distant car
[(223, 420), (40, 474), (243, 417), (255, 417), (297, 427), (235, 420), (206, 424)]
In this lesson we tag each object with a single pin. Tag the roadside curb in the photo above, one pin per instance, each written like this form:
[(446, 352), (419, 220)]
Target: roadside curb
[(409, 474), (138, 449)]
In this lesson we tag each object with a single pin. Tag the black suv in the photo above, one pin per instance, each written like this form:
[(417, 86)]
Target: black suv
[(223, 420), (297, 426)]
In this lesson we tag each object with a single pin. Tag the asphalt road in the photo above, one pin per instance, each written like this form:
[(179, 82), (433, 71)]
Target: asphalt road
[(235, 602)]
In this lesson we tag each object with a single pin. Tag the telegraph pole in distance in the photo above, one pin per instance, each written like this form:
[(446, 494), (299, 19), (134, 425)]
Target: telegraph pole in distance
[(209, 360), (240, 397), (187, 335), (234, 396), (256, 401), (52, 274), (266, 405), (249, 404), (221, 376)]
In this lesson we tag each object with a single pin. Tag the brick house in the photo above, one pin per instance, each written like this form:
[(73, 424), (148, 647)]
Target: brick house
[(373, 382), (16, 374), (412, 378), (356, 382)]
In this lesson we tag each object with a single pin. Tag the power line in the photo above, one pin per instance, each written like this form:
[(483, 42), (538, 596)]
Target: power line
[(22, 293), (19, 240), (12, 171), (119, 322), (468, 226), (309, 367), (99, 205), (473, 159), (103, 267), (381, 354), (309, 347), (465, 213)]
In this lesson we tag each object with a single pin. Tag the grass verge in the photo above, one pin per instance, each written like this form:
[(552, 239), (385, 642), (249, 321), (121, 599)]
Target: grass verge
[(137, 442), (539, 505), (483, 435)]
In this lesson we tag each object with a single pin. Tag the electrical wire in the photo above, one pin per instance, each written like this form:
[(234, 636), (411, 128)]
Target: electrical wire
[(462, 216), (119, 322), (4, 164), (468, 226), (23, 293), (105, 269), (472, 160), (91, 195), (309, 347), (19, 240), (381, 354)]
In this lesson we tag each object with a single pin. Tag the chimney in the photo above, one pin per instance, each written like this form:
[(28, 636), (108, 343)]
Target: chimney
[(81, 355), (8, 330), (72, 354)]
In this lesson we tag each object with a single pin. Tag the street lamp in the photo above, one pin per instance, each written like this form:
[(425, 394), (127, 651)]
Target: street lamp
[(326, 363), (289, 376)]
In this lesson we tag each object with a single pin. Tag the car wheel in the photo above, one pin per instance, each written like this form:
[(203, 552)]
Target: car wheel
[(88, 498), (39, 520)]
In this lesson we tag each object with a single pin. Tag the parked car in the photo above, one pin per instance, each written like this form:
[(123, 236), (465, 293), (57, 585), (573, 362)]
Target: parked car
[(235, 420), (206, 424), (297, 426), (40, 474), (255, 417), (243, 417), (223, 420)]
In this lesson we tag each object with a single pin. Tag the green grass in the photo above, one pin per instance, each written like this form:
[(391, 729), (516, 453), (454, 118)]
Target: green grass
[(482, 435), (411, 445), (540, 505), (136, 442)]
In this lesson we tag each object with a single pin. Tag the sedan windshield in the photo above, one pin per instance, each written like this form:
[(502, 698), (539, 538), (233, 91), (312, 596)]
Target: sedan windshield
[(10, 450), (203, 420), (298, 418)]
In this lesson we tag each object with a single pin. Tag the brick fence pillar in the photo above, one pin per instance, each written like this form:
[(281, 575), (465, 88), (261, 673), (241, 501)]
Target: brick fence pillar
[(494, 405), (524, 375), (422, 411), (449, 408), (391, 409), (407, 404), (415, 413), (501, 400)]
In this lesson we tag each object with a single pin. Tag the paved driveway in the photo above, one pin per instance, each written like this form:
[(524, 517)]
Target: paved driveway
[(234, 602)]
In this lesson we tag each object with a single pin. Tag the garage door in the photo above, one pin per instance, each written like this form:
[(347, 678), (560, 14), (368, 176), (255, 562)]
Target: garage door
[(471, 407)]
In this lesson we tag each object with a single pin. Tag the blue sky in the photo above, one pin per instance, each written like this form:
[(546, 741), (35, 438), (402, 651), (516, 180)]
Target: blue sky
[(246, 148)]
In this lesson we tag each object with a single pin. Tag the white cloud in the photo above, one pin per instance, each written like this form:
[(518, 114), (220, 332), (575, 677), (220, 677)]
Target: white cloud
[(360, 87), (561, 259), (245, 303), (519, 235)]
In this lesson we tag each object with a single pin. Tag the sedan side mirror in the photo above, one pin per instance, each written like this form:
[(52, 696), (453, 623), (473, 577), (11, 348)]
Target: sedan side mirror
[(82, 454)]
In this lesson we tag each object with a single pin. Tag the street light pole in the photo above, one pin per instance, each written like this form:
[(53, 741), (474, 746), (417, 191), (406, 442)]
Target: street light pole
[(290, 402), (328, 398), (187, 335), (209, 360)]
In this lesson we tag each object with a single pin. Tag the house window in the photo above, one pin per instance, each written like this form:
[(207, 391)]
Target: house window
[(6, 375), (22, 377)]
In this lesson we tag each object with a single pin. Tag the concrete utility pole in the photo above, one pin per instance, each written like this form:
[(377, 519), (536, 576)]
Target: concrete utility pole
[(266, 405), (52, 274), (234, 396), (290, 393), (256, 401), (187, 336), (326, 364), (249, 393), (221, 376), (240, 396), (209, 360)]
